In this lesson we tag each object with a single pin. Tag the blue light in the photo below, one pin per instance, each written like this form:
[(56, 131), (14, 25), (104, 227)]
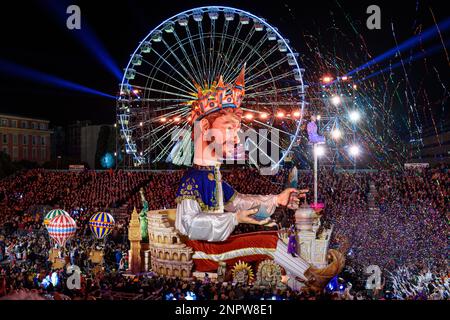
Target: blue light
[(408, 44), (415, 57), (16, 70), (107, 161)]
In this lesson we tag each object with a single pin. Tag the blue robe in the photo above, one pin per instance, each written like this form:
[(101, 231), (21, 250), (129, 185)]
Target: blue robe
[(200, 184)]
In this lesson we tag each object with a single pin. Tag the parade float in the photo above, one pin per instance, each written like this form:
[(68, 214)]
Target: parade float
[(219, 62)]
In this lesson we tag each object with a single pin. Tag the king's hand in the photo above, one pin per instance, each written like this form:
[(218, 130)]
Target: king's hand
[(291, 197), (244, 216)]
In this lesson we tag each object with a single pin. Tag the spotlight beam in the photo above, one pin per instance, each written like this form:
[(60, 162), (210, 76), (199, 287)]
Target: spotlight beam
[(86, 37), (19, 71), (408, 44), (415, 57)]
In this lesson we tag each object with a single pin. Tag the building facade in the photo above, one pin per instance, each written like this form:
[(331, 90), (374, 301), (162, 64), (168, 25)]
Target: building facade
[(88, 144), (24, 138)]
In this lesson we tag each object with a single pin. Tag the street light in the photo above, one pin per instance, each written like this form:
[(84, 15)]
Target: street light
[(320, 150), (336, 100), (336, 134), (354, 116), (354, 150)]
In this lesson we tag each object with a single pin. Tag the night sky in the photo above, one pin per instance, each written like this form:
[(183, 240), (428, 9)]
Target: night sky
[(34, 35)]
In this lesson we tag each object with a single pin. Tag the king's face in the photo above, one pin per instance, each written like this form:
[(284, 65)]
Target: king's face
[(226, 134)]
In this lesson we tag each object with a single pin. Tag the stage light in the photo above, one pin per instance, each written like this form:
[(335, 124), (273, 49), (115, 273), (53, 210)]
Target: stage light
[(249, 116), (177, 119), (263, 115), (280, 114), (320, 150), (141, 123), (190, 118), (355, 86), (297, 114), (354, 116), (336, 134), (135, 91), (354, 150), (163, 119), (115, 125), (318, 117), (344, 78), (335, 100)]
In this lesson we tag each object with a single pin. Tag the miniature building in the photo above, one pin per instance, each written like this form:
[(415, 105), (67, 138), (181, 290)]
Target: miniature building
[(312, 247), (169, 256), (134, 236)]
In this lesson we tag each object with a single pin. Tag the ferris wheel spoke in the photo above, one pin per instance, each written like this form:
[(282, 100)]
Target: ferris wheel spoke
[(269, 80), (227, 57), (177, 112), (194, 53), (155, 68), (262, 58), (174, 69), (172, 106), (211, 53), (160, 140), (195, 73), (162, 99), (265, 70), (273, 91), (253, 51), (178, 60), (169, 146), (203, 50), (154, 132), (168, 92), (237, 56), (221, 45), (162, 82)]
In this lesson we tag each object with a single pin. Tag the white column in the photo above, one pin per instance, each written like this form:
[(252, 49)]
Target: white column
[(315, 172)]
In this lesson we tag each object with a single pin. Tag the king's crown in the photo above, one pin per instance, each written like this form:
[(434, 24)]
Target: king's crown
[(219, 97)]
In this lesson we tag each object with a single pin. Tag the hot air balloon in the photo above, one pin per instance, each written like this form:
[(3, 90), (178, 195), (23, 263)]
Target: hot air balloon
[(54, 213), (61, 228), (101, 224)]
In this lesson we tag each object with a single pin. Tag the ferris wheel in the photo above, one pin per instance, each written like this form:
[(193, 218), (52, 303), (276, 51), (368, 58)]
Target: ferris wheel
[(191, 49)]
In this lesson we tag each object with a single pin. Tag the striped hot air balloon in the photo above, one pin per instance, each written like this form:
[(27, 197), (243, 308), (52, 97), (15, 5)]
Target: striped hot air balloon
[(54, 213), (61, 228), (101, 224)]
